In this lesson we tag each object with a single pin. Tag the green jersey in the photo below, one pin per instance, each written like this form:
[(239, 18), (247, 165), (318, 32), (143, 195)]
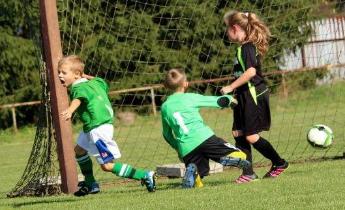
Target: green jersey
[(183, 126), (95, 108)]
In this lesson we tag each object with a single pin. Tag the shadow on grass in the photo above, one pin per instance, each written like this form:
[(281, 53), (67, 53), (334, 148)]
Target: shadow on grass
[(135, 189), (31, 203), (168, 186)]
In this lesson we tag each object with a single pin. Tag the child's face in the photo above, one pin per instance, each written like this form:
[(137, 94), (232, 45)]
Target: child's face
[(235, 33), (67, 76)]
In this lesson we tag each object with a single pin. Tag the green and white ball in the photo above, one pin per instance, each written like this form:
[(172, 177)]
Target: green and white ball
[(320, 136)]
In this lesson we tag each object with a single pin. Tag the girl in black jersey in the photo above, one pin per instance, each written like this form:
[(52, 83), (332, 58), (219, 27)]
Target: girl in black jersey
[(252, 114)]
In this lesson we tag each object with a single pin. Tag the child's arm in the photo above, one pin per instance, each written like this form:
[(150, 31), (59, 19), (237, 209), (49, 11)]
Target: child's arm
[(89, 77), (168, 135), (244, 78), (249, 63), (214, 101), (67, 114)]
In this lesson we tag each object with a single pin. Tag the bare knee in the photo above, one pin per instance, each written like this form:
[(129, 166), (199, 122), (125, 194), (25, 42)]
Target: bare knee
[(252, 138), (108, 167), (79, 151)]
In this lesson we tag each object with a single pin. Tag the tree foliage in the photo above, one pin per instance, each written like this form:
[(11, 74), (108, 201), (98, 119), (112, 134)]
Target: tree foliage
[(132, 43), (18, 57)]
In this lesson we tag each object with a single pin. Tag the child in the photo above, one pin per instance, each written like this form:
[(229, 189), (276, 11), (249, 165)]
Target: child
[(89, 98), (185, 131), (252, 115)]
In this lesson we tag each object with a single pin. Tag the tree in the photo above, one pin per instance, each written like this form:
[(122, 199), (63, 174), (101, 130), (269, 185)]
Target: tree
[(132, 43), (19, 56)]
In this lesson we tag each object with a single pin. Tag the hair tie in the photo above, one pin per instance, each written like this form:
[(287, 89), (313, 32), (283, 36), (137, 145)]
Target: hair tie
[(246, 14)]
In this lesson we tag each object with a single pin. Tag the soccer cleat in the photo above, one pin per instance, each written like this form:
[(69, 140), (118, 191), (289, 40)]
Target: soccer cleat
[(237, 159), (149, 181), (246, 178), (276, 170), (190, 176), (81, 184), (94, 188), (85, 190)]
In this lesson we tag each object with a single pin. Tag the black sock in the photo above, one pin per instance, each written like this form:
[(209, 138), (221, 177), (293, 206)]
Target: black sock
[(242, 144), (267, 150)]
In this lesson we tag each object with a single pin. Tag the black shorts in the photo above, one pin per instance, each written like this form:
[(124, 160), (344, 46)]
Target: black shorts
[(213, 148), (249, 117)]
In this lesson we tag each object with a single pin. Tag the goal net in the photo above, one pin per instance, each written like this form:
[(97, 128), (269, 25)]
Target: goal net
[(131, 44)]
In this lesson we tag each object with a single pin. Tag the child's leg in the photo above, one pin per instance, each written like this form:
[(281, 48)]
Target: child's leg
[(197, 167), (226, 154), (243, 144), (124, 170), (127, 171), (279, 165), (85, 163), (265, 148), (106, 150)]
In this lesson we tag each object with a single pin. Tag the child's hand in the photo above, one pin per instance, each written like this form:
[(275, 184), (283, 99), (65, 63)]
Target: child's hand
[(226, 89), (67, 114)]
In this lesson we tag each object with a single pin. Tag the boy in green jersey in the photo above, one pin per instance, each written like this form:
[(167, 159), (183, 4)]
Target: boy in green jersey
[(89, 97), (185, 131)]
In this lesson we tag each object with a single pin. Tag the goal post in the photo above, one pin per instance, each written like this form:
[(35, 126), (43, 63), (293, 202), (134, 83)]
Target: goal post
[(59, 99)]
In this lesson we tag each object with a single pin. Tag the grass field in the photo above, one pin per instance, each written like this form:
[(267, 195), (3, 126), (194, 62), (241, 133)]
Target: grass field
[(314, 185), (307, 185)]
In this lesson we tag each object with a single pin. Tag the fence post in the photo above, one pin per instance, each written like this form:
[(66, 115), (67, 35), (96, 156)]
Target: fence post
[(153, 102), (285, 90), (14, 120)]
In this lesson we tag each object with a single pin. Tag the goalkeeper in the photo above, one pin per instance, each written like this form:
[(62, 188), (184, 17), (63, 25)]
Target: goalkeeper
[(185, 131), (89, 97)]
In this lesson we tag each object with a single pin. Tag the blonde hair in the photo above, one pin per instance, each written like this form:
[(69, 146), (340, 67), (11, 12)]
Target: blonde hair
[(73, 62), (174, 79), (256, 30)]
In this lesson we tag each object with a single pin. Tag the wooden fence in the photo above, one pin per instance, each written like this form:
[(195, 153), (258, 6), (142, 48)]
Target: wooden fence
[(13, 110), (159, 86)]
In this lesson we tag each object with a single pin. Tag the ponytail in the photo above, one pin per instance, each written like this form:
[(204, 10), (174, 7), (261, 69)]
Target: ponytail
[(256, 30), (258, 33)]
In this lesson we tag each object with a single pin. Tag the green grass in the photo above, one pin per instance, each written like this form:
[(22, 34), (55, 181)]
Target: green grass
[(311, 185)]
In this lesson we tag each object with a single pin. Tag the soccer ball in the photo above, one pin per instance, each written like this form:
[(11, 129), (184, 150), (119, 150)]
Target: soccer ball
[(320, 136)]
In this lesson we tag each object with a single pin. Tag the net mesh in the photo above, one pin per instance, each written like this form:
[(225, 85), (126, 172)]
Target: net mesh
[(41, 175), (131, 44)]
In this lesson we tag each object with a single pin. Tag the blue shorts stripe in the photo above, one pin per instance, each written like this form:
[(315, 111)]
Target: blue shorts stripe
[(104, 152)]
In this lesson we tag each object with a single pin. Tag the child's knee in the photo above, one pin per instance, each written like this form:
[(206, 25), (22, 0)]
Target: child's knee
[(108, 167), (79, 151), (252, 138)]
